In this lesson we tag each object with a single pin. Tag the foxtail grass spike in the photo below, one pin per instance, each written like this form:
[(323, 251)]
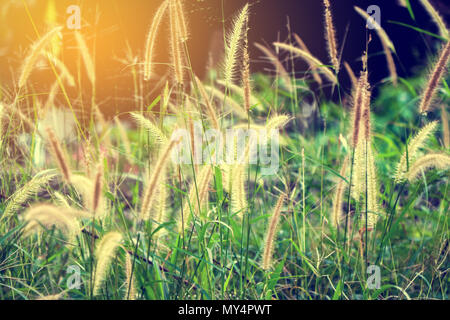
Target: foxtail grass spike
[(410, 155), (59, 155), (105, 251), (435, 160), (234, 40), (435, 78), (151, 40), (331, 36), (271, 235)]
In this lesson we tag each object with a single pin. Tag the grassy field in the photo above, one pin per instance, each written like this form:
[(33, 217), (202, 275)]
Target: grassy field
[(356, 208)]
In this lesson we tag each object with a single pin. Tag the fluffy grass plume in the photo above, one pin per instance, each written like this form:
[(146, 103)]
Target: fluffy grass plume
[(372, 190), (443, 31), (155, 179), (411, 153), (37, 183), (175, 43), (358, 105), (435, 160), (34, 54), (59, 155), (271, 235), (238, 192), (435, 78), (151, 39), (104, 253), (361, 137), (331, 36), (303, 46), (182, 22), (232, 47), (87, 59), (337, 212), (380, 31), (277, 122), (308, 58), (155, 133), (50, 216), (160, 215)]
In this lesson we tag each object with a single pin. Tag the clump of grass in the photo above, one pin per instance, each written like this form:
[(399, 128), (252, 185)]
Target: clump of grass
[(126, 182), (182, 21), (238, 175), (105, 251)]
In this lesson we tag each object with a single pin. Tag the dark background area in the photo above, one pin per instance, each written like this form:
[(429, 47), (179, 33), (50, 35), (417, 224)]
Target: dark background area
[(113, 25)]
